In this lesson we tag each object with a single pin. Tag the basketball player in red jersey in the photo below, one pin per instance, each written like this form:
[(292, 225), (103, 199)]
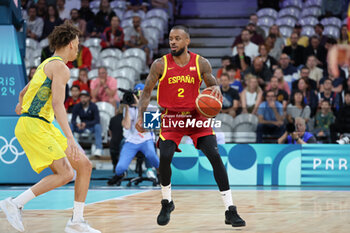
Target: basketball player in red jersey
[(180, 75)]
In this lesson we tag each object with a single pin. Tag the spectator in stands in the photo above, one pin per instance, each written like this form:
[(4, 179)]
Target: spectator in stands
[(343, 35), (340, 98), (85, 12), (250, 48), (327, 94), (116, 133), (342, 122), (279, 43), (31, 73), (253, 18), (315, 73), (77, 21), (113, 36), (278, 73), (274, 51), (299, 136), (297, 107), (281, 95), (270, 114), (72, 100), (319, 32), (315, 48), (255, 37), (290, 72), (230, 96), (83, 81), (135, 37), (241, 60), (225, 61), (35, 24), (134, 142), (51, 20), (295, 51), (324, 118), (252, 95), (84, 58), (105, 12), (310, 95), (96, 26), (24, 7), (104, 88), (268, 60), (337, 82), (41, 8), (90, 120), (235, 77), (260, 71), (304, 74), (62, 10), (303, 40)]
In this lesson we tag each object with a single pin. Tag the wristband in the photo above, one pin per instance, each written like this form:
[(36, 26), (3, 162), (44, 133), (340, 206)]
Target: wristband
[(241, 57)]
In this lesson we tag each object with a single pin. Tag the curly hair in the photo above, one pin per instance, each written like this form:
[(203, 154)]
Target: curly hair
[(62, 35)]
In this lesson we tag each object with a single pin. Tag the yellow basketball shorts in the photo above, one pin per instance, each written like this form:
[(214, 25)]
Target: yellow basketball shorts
[(41, 141)]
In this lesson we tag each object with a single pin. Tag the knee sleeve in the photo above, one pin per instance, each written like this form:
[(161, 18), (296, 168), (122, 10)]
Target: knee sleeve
[(208, 146), (167, 149)]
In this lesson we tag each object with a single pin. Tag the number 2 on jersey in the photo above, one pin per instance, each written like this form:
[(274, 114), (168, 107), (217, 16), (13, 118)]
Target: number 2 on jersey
[(180, 92)]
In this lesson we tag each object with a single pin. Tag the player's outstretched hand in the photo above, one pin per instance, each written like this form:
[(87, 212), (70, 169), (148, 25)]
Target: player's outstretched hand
[(139, 126), (18, 109), (73, 150)]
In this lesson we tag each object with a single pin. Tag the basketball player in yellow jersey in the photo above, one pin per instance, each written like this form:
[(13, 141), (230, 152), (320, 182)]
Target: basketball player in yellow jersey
[(45, 146)]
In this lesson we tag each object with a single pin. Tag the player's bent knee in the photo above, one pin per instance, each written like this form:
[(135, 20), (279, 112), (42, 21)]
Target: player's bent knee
[(67, 176), (84, 164)]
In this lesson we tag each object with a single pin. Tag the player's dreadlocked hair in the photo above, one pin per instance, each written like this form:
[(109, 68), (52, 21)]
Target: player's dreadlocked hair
[(62, 35)]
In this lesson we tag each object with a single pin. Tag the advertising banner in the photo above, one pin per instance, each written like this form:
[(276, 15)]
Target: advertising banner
[(11, 70), (14, 165)]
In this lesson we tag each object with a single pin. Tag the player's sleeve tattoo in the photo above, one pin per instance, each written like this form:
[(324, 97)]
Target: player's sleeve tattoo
[(155, 73), (206, 72)]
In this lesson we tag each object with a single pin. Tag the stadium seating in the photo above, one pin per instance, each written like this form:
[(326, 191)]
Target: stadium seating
[(267, 12)]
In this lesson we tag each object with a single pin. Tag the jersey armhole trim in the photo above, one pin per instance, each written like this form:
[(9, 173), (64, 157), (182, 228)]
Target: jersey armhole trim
[(198, 70), (165, 69)]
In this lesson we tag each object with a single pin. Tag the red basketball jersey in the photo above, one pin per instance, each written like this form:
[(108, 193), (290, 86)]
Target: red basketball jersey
[(178, 87)]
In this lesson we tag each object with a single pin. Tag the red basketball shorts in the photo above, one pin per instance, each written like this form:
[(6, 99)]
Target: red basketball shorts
[(175, 125)]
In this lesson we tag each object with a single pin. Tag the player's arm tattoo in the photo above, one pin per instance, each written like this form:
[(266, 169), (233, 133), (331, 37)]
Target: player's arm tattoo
[(155, 73), (206, 72)]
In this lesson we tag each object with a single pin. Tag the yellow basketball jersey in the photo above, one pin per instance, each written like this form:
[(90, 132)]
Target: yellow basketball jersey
[(37, 101)]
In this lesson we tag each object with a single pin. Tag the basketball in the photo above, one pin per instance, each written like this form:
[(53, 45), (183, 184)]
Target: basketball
[(209, 102)]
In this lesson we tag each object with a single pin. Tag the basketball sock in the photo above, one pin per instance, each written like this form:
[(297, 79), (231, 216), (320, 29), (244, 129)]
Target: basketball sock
[(78, 212), (227, 198), (24, 197), (166, 192)]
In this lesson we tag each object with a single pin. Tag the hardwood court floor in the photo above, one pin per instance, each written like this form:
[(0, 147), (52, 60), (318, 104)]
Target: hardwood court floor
[(202, 211)]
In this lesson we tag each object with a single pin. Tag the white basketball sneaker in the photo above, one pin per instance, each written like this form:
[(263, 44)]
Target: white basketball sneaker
[(13, 213), (79, 227)]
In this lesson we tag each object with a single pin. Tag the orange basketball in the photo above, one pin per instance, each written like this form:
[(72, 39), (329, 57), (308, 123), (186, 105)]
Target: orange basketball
[(209, 102)]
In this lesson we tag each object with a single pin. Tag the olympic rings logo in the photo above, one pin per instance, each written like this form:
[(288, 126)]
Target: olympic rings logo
[(12, 148)]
